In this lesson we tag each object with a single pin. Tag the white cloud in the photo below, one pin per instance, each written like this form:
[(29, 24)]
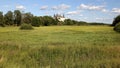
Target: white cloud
[(85, 18), (99, 19), (103, 19), (73, 13), (105, 10), (92, 7), (43, 7), (64, 6), (61, 7), (20, 7), (55, 8), (116, 10)]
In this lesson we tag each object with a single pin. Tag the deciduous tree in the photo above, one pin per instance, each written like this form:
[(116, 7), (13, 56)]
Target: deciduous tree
[(17, 17), (116, 20), (8, 18), (27, 18), (1, 18), (36, 21)]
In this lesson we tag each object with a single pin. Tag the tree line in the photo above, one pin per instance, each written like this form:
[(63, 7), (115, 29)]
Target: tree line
[(17, 18), (10, 18)]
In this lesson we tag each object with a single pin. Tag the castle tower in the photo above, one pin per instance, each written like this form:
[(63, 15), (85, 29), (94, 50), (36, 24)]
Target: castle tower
[(59, 17)]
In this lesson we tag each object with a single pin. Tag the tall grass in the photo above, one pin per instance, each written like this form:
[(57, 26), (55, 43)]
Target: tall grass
[(60, 47)]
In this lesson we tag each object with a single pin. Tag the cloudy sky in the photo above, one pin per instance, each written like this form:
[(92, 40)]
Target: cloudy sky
[(81, 10)]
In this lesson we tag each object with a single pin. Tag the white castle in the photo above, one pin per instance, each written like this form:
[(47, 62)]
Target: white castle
[(59, 17)]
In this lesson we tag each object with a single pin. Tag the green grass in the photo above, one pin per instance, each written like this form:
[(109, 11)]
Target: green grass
[(60, 47)]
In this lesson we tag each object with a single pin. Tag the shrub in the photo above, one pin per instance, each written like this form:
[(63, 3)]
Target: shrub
[(2, 25), (117, 27), (25, 26)]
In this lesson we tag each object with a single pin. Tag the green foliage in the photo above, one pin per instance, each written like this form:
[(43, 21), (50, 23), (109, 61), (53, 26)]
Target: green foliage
[(68, 22), (8, 18), (1, 19), (25, 26), (17, 17), (36, 21), (74, 22), (60, 23), (82, 23), (47, 21), (41, 21), (116, 20), (27, 18), (117, 27)]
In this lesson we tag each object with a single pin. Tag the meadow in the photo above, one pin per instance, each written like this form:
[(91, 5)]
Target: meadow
[(60, 47)]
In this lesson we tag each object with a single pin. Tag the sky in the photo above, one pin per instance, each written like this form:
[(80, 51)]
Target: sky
[(103, 11)]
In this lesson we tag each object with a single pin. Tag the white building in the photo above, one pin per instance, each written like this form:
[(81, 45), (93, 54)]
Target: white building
[(59, 17)]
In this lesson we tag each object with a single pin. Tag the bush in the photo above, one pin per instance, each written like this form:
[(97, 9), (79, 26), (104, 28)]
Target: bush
[(117, 27), (2, 25), (25, 26)]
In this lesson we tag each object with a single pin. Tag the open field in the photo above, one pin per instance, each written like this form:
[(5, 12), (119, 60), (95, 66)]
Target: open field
[(60, 47)]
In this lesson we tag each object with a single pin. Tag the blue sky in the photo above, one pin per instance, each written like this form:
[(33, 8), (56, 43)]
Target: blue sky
[(81, 10)]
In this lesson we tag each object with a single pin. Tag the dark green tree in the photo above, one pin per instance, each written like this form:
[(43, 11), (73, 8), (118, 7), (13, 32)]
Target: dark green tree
[(49, 21), (36, 21), (82, 23), (68, 22), (1, 18), (116, 20), (117, 27), (17, 17), (27, 18), (74, 22), (8, 18), (41, 21)]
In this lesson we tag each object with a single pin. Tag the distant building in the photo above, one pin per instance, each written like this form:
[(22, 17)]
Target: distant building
[(59, 17)]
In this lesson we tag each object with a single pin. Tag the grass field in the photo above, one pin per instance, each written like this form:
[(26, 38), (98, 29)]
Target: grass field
[(60, 47)]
